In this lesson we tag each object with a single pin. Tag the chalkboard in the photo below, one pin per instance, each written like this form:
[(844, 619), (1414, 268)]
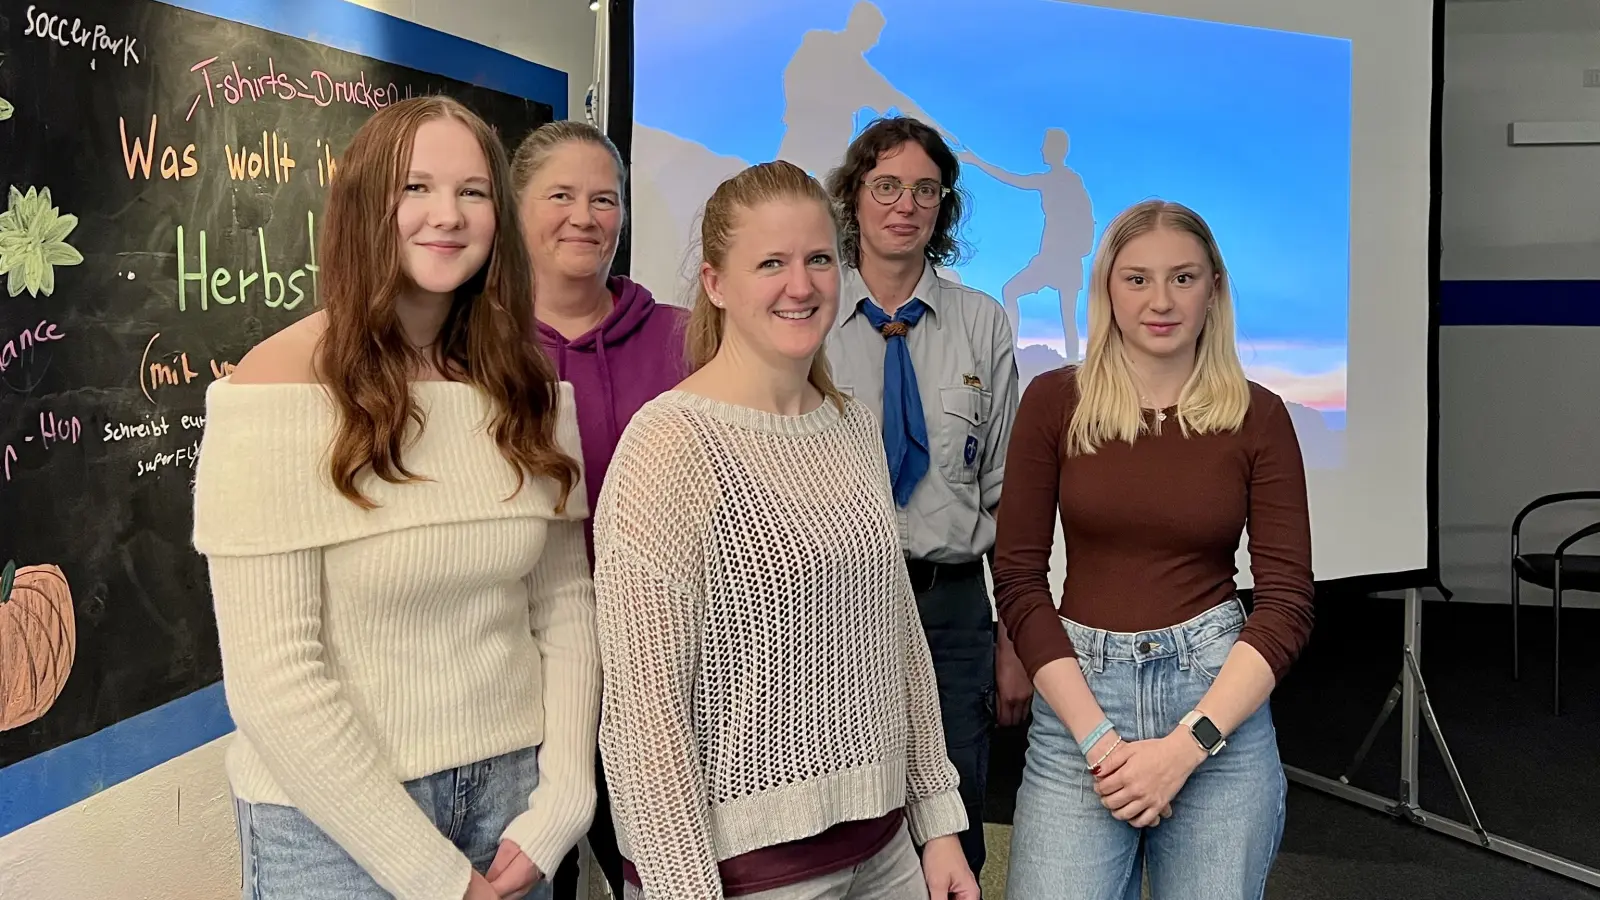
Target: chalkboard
[(164, 174)]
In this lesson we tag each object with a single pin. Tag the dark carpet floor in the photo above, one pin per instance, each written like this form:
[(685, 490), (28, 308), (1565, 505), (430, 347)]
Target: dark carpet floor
[(1534, 777)]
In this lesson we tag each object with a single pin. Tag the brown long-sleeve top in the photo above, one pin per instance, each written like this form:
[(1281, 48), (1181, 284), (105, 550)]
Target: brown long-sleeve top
[(1152, 528)]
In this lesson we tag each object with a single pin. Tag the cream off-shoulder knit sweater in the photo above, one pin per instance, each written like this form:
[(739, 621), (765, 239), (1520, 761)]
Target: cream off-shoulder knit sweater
[(365, 648)]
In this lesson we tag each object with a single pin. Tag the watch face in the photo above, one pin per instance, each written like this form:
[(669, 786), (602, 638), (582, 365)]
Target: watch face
[(1207, 733)]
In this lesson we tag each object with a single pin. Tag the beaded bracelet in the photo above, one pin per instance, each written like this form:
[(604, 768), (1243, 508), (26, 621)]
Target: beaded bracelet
[(1095, 766)]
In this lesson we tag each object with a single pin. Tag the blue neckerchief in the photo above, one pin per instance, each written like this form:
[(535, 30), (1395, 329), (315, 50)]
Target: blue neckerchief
[(905, 432)]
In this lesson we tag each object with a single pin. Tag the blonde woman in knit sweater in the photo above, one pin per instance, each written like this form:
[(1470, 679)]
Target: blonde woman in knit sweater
[(771, 726), (388, 497)]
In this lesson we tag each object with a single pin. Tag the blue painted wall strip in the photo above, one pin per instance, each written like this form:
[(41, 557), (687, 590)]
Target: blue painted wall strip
[(52, 781), (378, 35), (1547, 303), (42, 785)]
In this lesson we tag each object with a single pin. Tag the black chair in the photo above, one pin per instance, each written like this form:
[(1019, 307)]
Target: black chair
[(1558, 571)]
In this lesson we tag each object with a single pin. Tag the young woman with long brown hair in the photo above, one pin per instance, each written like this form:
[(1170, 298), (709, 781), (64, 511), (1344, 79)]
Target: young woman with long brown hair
[(388, 497), (771, 727)]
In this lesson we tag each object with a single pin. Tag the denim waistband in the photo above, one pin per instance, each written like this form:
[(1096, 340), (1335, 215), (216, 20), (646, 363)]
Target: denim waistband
[(1096, 646)]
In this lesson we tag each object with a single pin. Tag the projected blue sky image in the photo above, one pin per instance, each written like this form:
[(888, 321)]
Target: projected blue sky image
[(1251, 127)]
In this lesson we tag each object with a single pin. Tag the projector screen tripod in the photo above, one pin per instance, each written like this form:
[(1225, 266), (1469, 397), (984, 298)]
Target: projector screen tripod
[(1410, 693)]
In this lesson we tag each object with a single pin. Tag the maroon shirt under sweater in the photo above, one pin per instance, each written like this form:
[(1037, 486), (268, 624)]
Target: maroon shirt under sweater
[(1152, 528), (769, 868)]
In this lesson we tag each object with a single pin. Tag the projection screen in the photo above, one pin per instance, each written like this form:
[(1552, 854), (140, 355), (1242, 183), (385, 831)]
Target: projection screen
[(1301, 131)]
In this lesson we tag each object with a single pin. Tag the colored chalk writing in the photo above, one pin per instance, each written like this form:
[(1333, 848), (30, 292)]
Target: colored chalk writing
[(226, 84), (20, 349), (152, 427), (202, 283), (138, 155), (51, 432), (327, 165), (156, 223), (161, 368), (185, 456), (74, 32), (272, 162)]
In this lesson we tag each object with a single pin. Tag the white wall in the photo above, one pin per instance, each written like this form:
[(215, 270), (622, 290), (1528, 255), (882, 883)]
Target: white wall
[(168, 834), (555, 33), (1519, 212), (1519, 406)]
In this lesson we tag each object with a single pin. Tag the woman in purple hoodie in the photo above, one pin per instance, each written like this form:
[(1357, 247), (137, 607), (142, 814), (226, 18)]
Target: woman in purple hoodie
[(605, 334)]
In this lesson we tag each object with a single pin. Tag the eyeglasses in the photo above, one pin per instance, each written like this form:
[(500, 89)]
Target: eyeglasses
[(926, 193)]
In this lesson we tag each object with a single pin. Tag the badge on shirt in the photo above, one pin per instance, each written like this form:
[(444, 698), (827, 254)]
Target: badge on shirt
[(970, 453), (972, 381)]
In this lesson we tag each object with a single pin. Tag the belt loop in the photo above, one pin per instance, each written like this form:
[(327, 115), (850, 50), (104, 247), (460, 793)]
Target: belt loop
[(1100, 650), (1180, 640)]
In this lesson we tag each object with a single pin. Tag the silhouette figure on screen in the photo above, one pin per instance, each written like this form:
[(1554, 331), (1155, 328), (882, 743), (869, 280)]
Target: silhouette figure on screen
[(1068, 235), (828, 81)]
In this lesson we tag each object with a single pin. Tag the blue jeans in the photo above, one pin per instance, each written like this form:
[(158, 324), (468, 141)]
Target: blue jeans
[(1227, 819), (285, 856)]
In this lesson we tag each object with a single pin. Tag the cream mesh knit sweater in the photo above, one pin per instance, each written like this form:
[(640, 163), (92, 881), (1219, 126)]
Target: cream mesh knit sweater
[(766, 672), (362, 649)]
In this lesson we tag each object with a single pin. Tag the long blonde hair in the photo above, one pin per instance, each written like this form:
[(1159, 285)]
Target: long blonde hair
[(1216, 396), (757, 184)]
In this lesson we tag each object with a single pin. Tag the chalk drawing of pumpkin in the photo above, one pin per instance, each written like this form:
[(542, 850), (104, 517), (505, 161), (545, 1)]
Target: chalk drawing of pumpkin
[(38, 641)]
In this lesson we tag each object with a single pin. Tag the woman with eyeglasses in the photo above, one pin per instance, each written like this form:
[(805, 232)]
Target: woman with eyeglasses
[(934, 361)]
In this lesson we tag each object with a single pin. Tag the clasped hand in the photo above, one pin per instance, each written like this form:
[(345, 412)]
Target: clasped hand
[(1138, 780), (511, 876)]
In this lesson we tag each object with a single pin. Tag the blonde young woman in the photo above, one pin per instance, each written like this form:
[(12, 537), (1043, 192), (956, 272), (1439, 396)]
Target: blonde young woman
[(771, 724), (1152, 745)]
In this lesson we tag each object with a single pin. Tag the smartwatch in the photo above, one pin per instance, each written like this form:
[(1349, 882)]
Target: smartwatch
[(1205, 733)]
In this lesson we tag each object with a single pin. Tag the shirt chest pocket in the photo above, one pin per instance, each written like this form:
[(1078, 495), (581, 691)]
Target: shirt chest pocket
[(958, 431)]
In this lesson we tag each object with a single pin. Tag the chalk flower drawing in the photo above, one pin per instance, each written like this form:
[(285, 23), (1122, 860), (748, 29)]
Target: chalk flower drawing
[(33, 241), (6, 109)]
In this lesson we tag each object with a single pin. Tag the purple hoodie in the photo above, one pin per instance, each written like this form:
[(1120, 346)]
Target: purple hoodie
[(633, 355)]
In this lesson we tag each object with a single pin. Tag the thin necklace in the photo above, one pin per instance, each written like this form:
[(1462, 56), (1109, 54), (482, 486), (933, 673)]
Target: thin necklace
[(1161, 414)]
